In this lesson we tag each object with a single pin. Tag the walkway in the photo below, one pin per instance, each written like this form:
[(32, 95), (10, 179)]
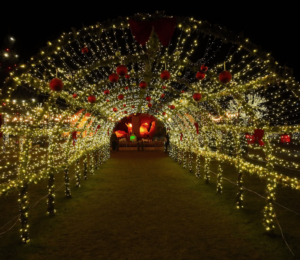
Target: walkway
[(143, 205)]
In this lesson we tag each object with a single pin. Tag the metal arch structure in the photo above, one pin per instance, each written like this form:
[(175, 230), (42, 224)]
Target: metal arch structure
[(190, 124)]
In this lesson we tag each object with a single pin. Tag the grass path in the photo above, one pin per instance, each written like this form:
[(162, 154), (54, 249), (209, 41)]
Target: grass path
[(143, 205)]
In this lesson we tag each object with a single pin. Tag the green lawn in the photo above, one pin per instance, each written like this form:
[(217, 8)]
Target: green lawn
[(143, 205)]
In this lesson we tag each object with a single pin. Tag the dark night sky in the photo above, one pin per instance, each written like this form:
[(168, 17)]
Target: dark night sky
[(274, 27)]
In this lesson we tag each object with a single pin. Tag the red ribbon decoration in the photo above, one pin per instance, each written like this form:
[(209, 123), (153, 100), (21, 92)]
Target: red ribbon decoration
[(74, 136), (257, 136), (181, 135), (163, 27), (197, 127)]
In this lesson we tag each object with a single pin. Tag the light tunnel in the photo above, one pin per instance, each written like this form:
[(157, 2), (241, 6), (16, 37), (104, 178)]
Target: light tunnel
[(210, 88)]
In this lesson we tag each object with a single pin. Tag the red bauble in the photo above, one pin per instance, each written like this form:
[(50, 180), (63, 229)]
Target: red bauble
[(225, 77), (200, 75), (107, 100), (172, 107), (115, 109), (121, 96), (98, 126), (197, 97), (125, 112), (165, 75), (106, 92), (133, 106), (56, 84), (126, 88), (127, 76), (182, 91), (113, 77), (164, 113), (122, 70), (162, 95), (124, 105), (203, 68), (143, 84), (75, 95), (92, 99), (149, 105), (85, 50), (148, 98), (164, 87)]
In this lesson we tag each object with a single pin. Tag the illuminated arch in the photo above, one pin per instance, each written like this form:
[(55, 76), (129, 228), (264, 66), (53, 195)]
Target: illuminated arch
[(86, 72)]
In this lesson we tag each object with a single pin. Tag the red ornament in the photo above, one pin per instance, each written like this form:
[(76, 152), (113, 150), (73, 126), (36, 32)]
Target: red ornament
[(225, 77), (200, 75), (133, 106), (126, 88), (56, 84), (203, 68), (85, 50), (125, 112), (124, 105), (115, 109), (143, 84), (148, 98), (127, 76), (165, 75), (106, 92), (197, 97), (121, 96), (98, 126), (285, 138), (92, 99), (149, 105), (113, 77), (107, 100), (162, 95), (164, 87), (182, 91), (122, 70), (164, 113), (75, 95), (172, 107)]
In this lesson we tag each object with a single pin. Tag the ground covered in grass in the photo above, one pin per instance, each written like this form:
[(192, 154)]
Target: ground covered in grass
[(143, 205)]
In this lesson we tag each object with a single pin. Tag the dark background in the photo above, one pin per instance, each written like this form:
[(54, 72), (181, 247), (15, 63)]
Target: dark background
[(270, 24)]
